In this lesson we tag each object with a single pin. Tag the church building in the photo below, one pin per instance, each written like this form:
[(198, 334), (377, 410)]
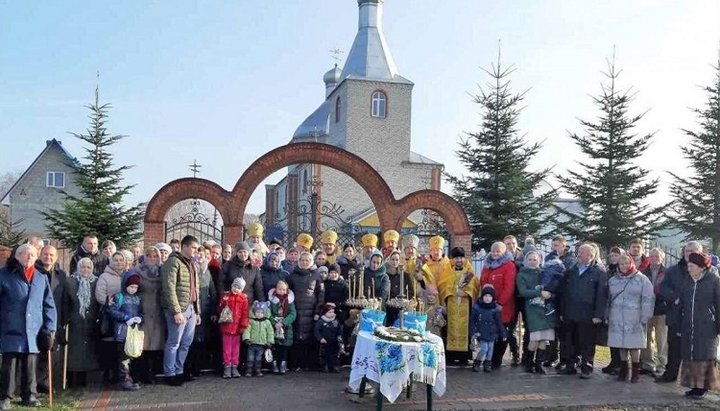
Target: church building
[(367, 111)]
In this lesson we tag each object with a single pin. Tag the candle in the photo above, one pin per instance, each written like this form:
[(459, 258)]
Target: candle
[(402, 280), (352, 280), (372, 284)]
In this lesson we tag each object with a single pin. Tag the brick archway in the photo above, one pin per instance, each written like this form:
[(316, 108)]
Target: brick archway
[(231, 205), (316, 153), (179, 190), (450, 210)]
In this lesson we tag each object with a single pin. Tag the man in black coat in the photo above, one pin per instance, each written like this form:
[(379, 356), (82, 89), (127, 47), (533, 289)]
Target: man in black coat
[(241, 266), (582, 306), (670, 294), (47, 264), (89, 248)]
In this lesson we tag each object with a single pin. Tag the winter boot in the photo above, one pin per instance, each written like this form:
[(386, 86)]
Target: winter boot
[(476, 366), (248, 369), (275, 368), (283, 367), (129, 385), (530, 364), (258, 371), (515, 359), (635, 377), (227, 373), (539, 358), (487, 366), (623, 373), (234, 372)]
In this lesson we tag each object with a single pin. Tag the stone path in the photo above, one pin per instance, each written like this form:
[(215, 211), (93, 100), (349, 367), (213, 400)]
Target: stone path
[(507, 388)]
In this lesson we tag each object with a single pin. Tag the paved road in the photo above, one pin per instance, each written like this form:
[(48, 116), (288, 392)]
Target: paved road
[(507, 388)]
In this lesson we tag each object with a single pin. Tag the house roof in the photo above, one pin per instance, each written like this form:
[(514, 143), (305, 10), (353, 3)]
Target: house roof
[(54, 143), (421, 159)]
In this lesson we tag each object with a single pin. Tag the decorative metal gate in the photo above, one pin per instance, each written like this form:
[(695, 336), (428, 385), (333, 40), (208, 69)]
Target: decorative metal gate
[(430, 225), (195, 223), (313, 216)]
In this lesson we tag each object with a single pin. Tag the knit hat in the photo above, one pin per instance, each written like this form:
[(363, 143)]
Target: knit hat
[(164, 247), (488, 289), (700, 260), (239, 283), (242, 245), (275, 241), (304, 240), (133, 279), (457, 252), (327, 307), (322, 270), (260, 306), (431, 290), (334, 267)]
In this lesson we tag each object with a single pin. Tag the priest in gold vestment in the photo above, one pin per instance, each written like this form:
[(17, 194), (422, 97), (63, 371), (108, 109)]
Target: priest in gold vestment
[(435, 266), (458, 287)]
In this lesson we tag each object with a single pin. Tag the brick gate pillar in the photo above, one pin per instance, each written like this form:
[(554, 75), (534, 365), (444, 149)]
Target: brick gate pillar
[(462, 240), (232, 234), (154, 232)]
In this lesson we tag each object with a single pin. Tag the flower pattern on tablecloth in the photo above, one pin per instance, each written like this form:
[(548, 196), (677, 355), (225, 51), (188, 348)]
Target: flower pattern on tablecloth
[(389, 356), (428, 355)]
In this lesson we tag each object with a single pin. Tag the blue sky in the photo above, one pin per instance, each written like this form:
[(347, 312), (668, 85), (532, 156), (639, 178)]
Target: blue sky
[(224, 82)]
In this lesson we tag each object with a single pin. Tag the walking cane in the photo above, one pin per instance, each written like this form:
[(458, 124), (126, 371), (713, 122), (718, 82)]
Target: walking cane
[(50, 377), (65, 357)]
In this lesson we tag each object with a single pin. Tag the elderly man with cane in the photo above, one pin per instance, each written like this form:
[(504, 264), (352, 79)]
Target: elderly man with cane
[(28, 321)]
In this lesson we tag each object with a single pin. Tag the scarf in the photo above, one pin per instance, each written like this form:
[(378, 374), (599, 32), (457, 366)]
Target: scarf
[(493, 263), (630, 270), (282, 302), (84, 291)]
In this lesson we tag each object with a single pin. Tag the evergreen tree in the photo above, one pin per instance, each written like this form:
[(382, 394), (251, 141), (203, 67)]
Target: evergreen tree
[(612, 191), (500, 195), (697, 198), (98, 209), (10, 236)]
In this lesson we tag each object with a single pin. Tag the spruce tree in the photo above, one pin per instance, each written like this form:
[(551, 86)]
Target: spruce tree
[(98, 209), (611, 189), (697, 198), (499, 194)]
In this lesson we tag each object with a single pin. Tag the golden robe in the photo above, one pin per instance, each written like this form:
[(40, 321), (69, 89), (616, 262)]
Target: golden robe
[(433, 270), (458, 307)]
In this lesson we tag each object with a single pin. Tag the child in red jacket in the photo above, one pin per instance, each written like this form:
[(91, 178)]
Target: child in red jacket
[(234, 319)]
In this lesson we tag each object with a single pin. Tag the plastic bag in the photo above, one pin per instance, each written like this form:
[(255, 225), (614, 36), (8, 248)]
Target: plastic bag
[(268, 355), (134, 340), (225, 315)]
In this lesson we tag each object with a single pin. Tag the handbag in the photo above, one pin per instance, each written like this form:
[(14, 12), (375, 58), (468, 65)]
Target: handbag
[(268, 355), (602, 331), (105, 322), (226, 315), (134, 340)]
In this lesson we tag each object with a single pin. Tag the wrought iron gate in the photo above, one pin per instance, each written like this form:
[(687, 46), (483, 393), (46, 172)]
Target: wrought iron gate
[(195, 223)]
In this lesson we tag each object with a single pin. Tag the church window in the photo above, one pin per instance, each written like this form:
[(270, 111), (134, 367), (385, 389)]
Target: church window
[(379, 104), (337, 109), (304, 183), (55, 179)]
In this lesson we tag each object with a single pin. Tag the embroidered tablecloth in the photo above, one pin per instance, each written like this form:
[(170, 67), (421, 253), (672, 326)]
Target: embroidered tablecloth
[(391, 363)]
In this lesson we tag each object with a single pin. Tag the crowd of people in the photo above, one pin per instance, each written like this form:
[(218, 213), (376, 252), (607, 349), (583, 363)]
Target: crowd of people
[(254, 307)]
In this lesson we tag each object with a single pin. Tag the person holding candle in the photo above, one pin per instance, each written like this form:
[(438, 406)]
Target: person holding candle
[(458, 287), (399, 280)]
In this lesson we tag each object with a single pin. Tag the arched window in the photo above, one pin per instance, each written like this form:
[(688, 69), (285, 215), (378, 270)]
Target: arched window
[(379, 104), (337, 109)]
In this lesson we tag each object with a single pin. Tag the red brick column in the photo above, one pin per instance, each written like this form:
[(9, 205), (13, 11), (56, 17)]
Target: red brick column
[(462, 240), (154, 232), (232, 234)]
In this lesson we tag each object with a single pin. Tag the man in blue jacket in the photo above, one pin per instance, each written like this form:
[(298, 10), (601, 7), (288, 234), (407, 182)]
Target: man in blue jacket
[(28, 321)]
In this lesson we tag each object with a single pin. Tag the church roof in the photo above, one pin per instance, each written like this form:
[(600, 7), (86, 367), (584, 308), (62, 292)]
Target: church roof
[(421, 159), (370, 57), (316, 124)]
